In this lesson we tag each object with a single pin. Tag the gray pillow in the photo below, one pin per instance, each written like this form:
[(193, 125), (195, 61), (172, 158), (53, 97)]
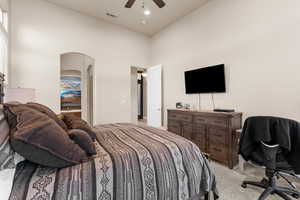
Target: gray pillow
[(6, 152), (77, 123), (83, 139)]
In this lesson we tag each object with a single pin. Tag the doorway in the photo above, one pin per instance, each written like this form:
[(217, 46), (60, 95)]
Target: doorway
[(142, 96), (146, 96), (77, 86)]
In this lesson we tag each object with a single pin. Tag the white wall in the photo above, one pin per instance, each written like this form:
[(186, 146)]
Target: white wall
[(4, 4), (41, 32), (258, 40)]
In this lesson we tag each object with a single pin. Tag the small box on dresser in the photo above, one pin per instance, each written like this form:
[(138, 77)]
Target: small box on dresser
[(213, 132)]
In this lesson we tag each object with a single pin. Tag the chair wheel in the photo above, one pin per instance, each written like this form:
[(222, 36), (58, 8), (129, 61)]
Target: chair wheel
[(264, 182), (296, 196), (244, 185)]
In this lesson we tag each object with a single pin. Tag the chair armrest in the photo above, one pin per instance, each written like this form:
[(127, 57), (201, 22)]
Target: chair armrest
[(270, 146)]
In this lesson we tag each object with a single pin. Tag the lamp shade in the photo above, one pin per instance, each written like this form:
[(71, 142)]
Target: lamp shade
[(22, 95)]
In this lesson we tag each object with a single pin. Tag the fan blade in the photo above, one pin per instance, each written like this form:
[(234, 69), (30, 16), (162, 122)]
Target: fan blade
[(129, 3), (160, 3)]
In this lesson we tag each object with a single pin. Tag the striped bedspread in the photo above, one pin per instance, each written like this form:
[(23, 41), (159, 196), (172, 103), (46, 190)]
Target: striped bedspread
[(133, 163)]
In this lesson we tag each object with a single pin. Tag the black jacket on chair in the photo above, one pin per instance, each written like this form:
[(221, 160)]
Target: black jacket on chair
[(271, 130)]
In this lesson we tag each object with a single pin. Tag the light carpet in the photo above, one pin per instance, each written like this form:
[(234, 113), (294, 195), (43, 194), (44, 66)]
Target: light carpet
[(229, 183)]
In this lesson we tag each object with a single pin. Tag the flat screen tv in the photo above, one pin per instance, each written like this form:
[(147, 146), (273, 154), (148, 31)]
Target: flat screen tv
[(205, 80)]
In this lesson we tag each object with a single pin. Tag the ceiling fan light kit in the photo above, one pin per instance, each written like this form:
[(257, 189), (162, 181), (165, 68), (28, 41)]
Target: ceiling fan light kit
[(147, 12)]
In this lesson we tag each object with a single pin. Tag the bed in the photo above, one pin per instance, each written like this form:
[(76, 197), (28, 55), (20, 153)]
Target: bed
[(132, 163)]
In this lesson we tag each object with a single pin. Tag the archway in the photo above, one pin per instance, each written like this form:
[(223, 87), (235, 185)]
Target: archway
[(77, 85)]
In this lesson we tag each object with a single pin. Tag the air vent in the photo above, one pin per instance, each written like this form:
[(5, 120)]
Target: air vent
[(111, 15)]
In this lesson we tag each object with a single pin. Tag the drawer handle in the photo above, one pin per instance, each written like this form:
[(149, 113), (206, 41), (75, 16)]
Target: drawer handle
[(201, 120), (218, 135), (218, 122), (218, 150), (173, 116)]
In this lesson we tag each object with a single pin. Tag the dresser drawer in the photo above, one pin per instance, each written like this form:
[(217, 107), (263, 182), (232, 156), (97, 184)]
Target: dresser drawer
[(180, 117), (199, 128), (174, 127), (200, 140), (172, 116), (185, 118), (199, 133), (200, 120), (217, 136), (201, 145), (218, 152), (199, 136), (218, 122), (187, 130)]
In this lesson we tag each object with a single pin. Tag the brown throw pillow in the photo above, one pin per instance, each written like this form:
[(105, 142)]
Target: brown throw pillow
[(83, 139), (73, 122), (39, 139), (47, 111)]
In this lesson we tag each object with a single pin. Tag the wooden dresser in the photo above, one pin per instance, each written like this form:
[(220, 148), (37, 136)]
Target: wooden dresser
[(213, 132)]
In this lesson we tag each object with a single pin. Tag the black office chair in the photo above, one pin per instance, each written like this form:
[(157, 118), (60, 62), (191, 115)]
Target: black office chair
[(270, 155)]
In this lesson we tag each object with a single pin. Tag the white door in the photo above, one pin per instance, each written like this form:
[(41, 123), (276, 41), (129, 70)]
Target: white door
[(154, 96)]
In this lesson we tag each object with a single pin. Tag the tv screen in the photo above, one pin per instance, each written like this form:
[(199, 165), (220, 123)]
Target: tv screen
[(205, 80)]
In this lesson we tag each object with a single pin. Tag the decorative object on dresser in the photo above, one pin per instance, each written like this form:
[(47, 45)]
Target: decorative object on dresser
[(187, 106), (213, 132), (179, 105)]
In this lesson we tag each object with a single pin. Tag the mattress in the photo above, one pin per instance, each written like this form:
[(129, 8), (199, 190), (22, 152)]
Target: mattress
[(132, 163)]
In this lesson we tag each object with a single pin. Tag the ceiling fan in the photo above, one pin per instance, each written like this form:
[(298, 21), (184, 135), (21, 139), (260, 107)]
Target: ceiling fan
[(159, 3)]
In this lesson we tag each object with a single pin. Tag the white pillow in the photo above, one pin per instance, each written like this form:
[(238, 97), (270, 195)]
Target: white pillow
[(6, 182), (18, 158)]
